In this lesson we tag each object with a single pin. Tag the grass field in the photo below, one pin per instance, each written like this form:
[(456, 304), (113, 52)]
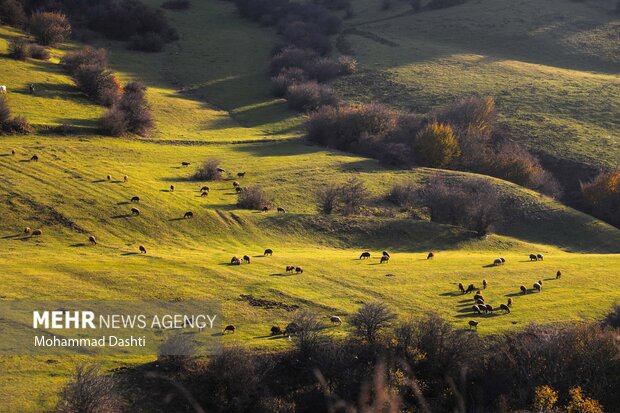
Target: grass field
[(210, 98)]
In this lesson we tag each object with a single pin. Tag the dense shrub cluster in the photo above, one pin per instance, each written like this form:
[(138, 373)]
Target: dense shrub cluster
[(131, 114), (88, 68), (601, 196), (12, 13), (388, 365), (309, 96), (49, 28), (253, 197), (20, 49), (208, 171), (348, 198), (9, 124)]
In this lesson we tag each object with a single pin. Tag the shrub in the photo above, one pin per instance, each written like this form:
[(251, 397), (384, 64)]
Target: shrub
[(131, 114), (308, 335), (11, 125), (113, 122), (322, 69), (19, 49), (176, 4), (90, 391), (613, 319), (370, 319), (403, 195), (252, 197), (328, 199), (286, 78), (474, 111), (545, 398), (291, 57), (146, 42), (309, 96), (98, 83), (347, 65), (208, 171), (5, 111), (49, 28), (39, 52), (601, 196), (436, 146), (176, 349), (580, 404), (354, 196), (86, 56), (12, 13)]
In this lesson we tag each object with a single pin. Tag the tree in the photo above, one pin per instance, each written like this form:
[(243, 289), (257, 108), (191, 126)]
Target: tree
[(89, 391), (436, 145), (49, 28), (208, 171), (328, 199), (370, 319), (354, 196)]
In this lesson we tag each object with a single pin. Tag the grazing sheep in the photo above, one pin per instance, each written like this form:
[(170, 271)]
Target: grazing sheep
[(3, 89), (335, 319), (240, 174), (430, 256), (489, 308), (461, 288), (34, 158), (220, 170), (265, 209), (235, 260), (275, 330), (558, 275), (538, 287), (540, 257), (365, 255), (291, 329), (478, 297), (185, 164), (135, 211), (135, 199), (125, 178), (239, 189), (188, 214), (109, 177), (13, 152), (523, 289), (533, 257), (92, 240), (505, 308), (497, 261), (479, 300), (268, 252), (281, 210), (502, 260), (142, 249), (476, 308), (236, 184), (299, 270), (27, 230), (229, 328), (37, 232), (204, 194), (205, 189), (470, 289), (385, 258), (171, 188), (246, 259), (473, 323), (484, 284), (509, 302), (540, 282), (290, 268)]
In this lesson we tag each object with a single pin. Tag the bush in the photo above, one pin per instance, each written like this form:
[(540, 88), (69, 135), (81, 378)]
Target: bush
[(146, 42), (12, 13), (473, 111), (347, 65), (90, 391), (354, 196), (49, 28), (322, 69), (436, 146), (131, 114), (403, 195), (87, 56), (613, 319), (370, 319), (286, 78), (113, 122), (252, 197), (39, 52), (328, 199), (12, 125), (176, 4), (208, 171), (309, 96), (601, 196), (292, 57), (98, 84), (19, 49), (5, 111)]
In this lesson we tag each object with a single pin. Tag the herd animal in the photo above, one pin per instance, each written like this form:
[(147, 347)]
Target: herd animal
[(536, 257), (3, 89)]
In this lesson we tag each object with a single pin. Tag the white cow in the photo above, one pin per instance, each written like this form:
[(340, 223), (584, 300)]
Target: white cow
[(2, 89)]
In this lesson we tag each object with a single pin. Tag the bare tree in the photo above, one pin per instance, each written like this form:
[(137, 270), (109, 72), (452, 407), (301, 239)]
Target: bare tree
[(89, 391), (370, 319), (354, 196), (328, 199)]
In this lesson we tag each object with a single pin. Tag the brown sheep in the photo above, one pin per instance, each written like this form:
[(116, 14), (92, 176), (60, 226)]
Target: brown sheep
[(109, 177), (299, 270), (125, 178), (540, 257), (385, 258), (509, 302), (142, 249), (523, 289), (430, 256), (205, 189), (35, 158), (265, 209), (135, 199), (204, 194), (268, 252), (497, 261), (235, 260), (13, 152), (275, 330), (537, 287), (365, 255), (470, 288), (37, 232), (479, 300), (27, 230), (229, 328), (188, 214), (476, 308), (484, 284), (92, 240), (238, 189), (505, 308), (236, 184), (533, 257), (558, 275), (335, 319), (478, 297), (281, 210), (185, 164), (171, 188), (220, 170), (461, 288), (135, 211), (540, 282), (246, 259), (473, 323), (290, 268), (489, 308), (240, 174), (502, 260)]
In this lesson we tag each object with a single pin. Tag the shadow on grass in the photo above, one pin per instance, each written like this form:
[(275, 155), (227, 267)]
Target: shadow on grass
[(282, 274), (123, 216)]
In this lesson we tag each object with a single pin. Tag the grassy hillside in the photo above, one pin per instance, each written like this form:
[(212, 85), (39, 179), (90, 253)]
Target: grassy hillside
[(210, 98), (552, 67)]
